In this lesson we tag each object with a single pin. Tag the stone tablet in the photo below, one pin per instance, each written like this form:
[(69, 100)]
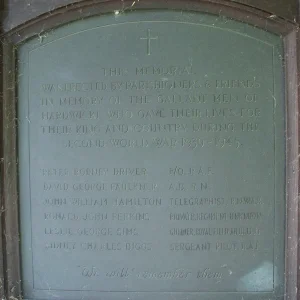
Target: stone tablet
[(151, 158)]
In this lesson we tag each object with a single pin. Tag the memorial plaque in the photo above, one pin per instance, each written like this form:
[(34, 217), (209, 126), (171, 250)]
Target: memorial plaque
[(151, 158)]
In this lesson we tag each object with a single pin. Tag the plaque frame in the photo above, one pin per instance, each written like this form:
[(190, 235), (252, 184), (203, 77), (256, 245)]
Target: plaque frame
[(10, 273)]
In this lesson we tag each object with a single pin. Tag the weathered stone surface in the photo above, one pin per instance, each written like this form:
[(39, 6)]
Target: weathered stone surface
[(151, 159), (20, 11)]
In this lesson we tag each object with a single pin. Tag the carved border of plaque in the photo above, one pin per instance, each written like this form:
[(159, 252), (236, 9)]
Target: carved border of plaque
[(10, 275)]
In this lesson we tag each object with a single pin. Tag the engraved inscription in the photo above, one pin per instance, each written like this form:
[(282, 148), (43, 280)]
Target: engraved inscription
[(153, 158)]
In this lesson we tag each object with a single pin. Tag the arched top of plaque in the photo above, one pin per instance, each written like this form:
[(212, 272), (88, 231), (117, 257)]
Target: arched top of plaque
[(78, 11), (152, 28), (17, 13)]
